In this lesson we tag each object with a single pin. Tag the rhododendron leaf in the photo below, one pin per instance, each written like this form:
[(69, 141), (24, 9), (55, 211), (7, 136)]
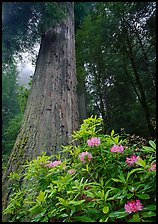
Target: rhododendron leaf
[(152, 144), (92, 211), (76, 202), (148, 149), (149, 207), (130, 195), (135, 218), (118, 214), (143, 196), (106, 195), (122, 177), (89, 194), (84, 219), (112, 132), (148, 214), (141, 162), (62, 201), (64, 215), (41, 196), (132, 171), (110, 199), (116, 180), (35, 209), (105, 209)]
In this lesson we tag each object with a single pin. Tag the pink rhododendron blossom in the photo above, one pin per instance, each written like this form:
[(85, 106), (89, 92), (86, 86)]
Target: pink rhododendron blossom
[(117, 148), (93, 141), (133, 206), (153, 167), (55, 163), (72, 171), (85, 155), (131, 160)]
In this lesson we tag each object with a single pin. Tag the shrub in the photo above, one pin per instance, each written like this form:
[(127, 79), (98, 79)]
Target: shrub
[(102, 180)]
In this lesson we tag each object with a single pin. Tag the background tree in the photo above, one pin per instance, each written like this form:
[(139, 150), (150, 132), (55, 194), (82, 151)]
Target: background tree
[(81, 10), (10, 106), (119, 64)]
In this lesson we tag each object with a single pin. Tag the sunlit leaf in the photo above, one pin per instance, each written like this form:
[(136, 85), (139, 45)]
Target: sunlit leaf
[(105, 209), (143, 196)]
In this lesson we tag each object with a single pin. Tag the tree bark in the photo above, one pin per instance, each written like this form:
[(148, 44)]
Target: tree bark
[(52, 110)]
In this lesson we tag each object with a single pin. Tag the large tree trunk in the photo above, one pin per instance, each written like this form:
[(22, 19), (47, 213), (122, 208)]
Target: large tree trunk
[(52, 110)]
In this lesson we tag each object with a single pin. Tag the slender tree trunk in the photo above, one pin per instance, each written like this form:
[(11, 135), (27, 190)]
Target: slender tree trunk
[(52, 109), (142, 97), (102, 104)]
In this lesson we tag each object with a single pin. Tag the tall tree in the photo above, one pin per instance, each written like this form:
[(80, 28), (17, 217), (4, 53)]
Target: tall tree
[(10, 107), (81, 10), (52, 109), (120, 64)]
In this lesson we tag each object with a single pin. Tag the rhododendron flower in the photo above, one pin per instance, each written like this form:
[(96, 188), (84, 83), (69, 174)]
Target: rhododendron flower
[(117, 148), (55, 163), (131, 160), (85, 155), (133, 206), (153, 167), (93, 141), (72, 171)]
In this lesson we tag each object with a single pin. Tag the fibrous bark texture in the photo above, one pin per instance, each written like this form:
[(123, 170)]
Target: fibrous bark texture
[(52, 109)]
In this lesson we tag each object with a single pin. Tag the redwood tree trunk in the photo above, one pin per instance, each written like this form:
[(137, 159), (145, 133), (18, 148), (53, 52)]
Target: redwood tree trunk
[(52, 109)]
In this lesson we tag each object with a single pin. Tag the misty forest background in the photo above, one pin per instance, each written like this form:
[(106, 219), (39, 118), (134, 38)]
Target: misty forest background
[(115, 62)]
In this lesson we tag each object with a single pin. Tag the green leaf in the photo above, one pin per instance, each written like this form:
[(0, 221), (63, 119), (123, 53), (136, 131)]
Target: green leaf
[(149, 207), (76, 202), (64, 215), (62, 201), (116, 180), (135, 218), (92, 211), (105, 209), (45, 219), (118, 214), (143, 196), (89, 194), (132, 171), (101, 220), (84, 219), (148, 214), (40, 197), (106, 195), (130, 195), (122, 177), (141, 162), (112, 132), (152, 144), (35, 209), (148, 149)]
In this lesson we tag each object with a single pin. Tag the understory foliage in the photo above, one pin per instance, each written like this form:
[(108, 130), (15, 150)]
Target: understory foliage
[(102, 180)]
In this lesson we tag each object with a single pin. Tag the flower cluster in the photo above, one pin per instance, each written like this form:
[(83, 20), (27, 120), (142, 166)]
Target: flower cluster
[(93, 141), (85, 155), (131, 160), (117, 148), (153, 167), (133, 206), (72, 171), (55, 163)]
